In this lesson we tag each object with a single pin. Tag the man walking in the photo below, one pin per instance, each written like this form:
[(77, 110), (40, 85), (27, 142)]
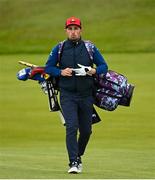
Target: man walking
[(72, 63)]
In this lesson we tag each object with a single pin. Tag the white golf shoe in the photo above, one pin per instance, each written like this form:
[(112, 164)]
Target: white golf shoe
[(79, 164), (76, 166), (73, 168), (80, 168)]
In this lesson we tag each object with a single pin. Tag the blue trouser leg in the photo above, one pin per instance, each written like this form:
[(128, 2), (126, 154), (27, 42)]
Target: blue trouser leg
[(77, 112), (70, 113), (85, 122)]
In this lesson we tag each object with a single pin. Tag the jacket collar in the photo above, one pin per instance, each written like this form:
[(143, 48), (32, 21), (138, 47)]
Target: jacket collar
[(74, 42)]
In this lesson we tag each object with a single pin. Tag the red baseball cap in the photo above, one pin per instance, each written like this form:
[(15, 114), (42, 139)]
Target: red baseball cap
[(73, 21)]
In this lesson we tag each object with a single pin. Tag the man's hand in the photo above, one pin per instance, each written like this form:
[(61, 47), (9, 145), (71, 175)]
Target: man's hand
[(66, 72), (91, 72)]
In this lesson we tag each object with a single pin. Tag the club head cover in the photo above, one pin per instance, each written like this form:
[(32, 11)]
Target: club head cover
[(24, 74)]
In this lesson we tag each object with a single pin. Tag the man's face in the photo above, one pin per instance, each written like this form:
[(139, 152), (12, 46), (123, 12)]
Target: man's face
[(73, 32)]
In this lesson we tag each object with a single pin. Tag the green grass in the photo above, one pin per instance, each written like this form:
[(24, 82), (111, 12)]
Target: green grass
[(32, 139), (34, 26)]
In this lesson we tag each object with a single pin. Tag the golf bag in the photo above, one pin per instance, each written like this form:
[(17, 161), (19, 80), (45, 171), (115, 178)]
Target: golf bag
[(111, 90), (49, 87)]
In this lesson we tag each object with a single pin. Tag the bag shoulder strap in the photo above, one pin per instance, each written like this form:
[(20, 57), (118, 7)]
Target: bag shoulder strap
[(61, 44), (90, 48)]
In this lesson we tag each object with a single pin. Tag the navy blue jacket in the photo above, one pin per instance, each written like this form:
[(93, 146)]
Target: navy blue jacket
[(73, 54)]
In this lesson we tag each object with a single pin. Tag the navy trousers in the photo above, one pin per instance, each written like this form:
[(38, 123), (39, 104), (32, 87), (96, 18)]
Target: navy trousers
[(77, 111)]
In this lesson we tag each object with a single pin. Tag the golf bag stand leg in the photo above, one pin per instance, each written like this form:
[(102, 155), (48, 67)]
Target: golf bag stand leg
[(53, 101)]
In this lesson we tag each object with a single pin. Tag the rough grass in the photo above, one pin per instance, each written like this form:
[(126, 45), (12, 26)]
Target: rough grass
[(34, 26)]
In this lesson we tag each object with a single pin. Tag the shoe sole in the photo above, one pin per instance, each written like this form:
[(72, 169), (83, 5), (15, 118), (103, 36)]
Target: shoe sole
[(73, 170)]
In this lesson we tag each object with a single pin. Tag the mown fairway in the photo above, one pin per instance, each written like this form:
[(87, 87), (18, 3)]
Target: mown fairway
[(32, 138)]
